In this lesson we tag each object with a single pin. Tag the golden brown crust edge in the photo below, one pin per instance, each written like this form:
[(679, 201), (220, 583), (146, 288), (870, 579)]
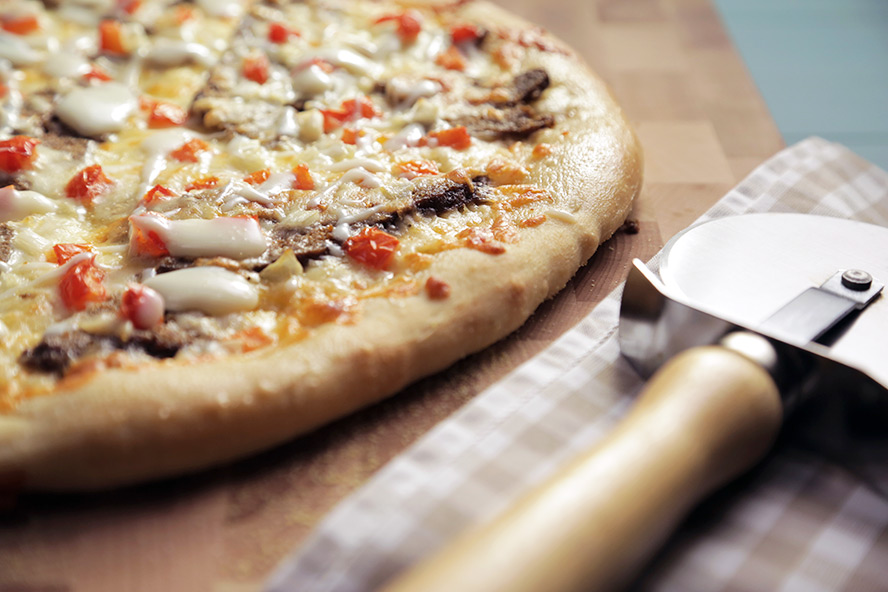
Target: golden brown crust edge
[(129, 426)]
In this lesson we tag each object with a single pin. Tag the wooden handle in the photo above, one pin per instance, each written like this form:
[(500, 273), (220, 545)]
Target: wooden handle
[(704, 419)]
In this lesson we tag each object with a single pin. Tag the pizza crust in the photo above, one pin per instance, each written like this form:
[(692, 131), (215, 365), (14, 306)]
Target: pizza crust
[(170, 418)]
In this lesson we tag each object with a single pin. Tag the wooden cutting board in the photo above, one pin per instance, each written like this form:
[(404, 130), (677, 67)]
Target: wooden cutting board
[(703, 126)]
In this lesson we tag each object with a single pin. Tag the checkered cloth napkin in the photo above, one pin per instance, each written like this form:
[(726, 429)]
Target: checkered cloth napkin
[(798, 523)]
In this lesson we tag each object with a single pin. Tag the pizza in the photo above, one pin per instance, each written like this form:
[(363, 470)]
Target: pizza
[(224, 223)]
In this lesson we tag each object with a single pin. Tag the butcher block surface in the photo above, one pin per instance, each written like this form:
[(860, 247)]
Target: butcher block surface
[(703, 126)]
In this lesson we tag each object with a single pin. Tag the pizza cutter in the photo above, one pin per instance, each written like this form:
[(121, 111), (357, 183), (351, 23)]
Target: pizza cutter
[(756, 324)]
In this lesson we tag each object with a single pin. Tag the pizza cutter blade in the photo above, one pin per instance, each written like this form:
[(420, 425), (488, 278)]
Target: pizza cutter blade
[(746, 268), (735, 340), (810, 282)]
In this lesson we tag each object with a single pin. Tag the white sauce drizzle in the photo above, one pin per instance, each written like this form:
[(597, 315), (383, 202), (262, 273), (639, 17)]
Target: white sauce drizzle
[(175, 52), (15, 204), (362, 177), (156, 147), (236, 192), (17, 50), (277, 182), (65, 65), (212, 290), (286, 122), (374, 166), (409, 136), (96, 110), (561, 215), (350, 60), (223, 8), (237, 238), (413, 90), (312, 80)]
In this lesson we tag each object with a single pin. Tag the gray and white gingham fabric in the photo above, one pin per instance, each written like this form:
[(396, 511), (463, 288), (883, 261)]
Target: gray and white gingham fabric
[(799, 524)]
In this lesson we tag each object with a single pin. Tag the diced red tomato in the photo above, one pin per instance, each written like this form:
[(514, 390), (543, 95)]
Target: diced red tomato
[(64, 251), (255, 68), (372, 247), (252, 339), (20, 25), (350, 136), (3, 90), (361, 106), (409, 24), (303, 178), (464, 32), (542, 150), (81, 284), (184, 13), (162, 114), (258, 177), (88, 184), (142, 306), (332, 119), (455, 137), (350, 110), (18, 153), (129, 6), (437, 289), (279, 32), (417, 168), (188, 152), (205, 183), (481, 240), (96, 74), (156, 193), (451, 59), (111, 38), (147, 242), (532, 221)]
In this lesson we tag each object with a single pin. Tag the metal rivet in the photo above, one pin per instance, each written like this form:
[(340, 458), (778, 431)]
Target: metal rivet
[(857, 280)]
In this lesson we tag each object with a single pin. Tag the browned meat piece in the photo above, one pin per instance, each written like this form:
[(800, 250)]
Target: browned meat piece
[(75, 146), (6, 235), (528, 86), (56, 352), (510, 122), (255, 119), (306, 243), (445, 195)]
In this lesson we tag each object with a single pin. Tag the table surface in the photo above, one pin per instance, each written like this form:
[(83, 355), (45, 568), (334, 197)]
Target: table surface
[(703, 125)]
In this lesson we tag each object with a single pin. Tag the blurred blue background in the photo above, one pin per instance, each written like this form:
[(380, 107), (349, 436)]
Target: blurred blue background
[(820, 65)]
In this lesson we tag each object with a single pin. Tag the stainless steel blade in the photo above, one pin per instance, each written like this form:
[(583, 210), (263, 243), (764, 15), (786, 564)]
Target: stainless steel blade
[(745, 268), (846, 410), (757, 271)]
